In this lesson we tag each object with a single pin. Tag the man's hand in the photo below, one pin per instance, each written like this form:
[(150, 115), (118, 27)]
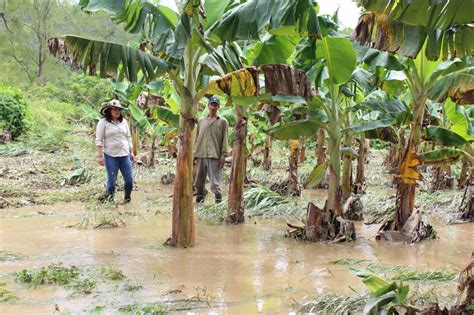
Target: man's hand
[(221, 163), (133, 157), (100, 160)]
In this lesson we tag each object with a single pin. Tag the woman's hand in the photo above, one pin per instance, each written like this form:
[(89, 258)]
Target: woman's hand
[(100, 160)]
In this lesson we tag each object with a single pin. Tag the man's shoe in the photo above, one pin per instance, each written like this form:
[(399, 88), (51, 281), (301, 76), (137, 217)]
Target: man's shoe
[(199, 198), (218, 198)]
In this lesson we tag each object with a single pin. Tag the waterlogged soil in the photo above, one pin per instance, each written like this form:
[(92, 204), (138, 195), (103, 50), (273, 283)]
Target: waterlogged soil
[(241, 269)]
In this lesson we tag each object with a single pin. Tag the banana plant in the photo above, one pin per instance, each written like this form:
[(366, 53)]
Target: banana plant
[(337, 61), (189, 45), (244, 89)]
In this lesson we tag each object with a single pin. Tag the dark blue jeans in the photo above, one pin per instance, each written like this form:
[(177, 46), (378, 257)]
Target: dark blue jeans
[(115, 163)]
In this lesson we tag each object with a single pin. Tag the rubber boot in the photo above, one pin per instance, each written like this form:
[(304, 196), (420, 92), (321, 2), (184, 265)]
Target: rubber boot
[(218, 198), (107, 196), (127, 198)]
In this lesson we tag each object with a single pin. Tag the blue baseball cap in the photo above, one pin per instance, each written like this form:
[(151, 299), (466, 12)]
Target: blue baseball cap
[(214, 99)]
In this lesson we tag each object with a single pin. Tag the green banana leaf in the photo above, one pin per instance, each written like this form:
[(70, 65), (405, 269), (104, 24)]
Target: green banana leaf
[(444, 137), (370, 125), (296, 129), (442, 156), (340, 58), (316, 176)]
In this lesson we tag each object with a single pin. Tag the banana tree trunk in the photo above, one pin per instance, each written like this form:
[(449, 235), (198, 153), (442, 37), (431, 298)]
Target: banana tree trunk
[(183, 226), (236, 185), (361, 161), (400, 148), (406, 192), (153, 149), (183, 214), (293, 176), (267, 158), (334, 188), (302, 155), (347, 169), (320, 149), (135, 133)]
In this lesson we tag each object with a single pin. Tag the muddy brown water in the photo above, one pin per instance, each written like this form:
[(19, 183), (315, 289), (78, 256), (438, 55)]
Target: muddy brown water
[(240, 269)]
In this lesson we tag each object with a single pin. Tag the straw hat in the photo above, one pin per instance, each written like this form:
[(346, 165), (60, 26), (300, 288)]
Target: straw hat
[(111, 104)]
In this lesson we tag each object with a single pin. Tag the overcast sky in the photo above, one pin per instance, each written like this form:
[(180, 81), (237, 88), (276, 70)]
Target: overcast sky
[(348, 11)]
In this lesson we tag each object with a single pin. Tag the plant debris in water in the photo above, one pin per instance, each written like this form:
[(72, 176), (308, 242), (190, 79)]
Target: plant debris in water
[(258, 201), (334, 304), (52, 274), (80, 279), (10, 256), (402, 273), (112, 273), (5, 295)]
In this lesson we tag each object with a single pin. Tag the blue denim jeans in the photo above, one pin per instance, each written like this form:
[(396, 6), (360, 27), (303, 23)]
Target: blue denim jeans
[(112, 165)]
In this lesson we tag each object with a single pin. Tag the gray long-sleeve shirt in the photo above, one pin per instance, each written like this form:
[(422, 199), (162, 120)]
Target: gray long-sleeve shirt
[(115, 138), (211, 138)]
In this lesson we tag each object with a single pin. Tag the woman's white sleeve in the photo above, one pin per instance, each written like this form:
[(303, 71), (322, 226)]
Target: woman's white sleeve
[(100, 133), (129, 138)]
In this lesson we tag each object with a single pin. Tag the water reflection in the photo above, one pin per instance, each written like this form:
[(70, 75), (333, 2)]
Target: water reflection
[(251, 267)]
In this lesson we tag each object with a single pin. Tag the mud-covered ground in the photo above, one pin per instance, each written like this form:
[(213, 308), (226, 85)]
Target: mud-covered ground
[(50, 217)]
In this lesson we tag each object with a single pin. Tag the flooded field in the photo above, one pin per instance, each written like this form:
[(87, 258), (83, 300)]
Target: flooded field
[(233, 269)]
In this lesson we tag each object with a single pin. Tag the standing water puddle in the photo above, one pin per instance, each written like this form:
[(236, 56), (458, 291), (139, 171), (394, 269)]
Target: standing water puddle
[(238, 269)]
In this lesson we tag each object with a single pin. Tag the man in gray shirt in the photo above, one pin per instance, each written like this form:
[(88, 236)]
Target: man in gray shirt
[(210, 151)]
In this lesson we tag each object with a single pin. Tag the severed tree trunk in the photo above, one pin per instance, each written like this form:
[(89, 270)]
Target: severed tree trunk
[(322, 225), (235, 210), (464, 176), (390, 158), (267, 158), (467, 205), (302, 155), (442, 177), (293, 189), (359, 184)]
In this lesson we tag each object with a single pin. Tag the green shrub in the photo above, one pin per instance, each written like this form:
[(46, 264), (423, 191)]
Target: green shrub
[(12, 110), (77, 89), (48, 124)]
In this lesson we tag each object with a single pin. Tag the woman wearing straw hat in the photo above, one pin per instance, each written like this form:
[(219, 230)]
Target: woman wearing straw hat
[(114, 149)]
